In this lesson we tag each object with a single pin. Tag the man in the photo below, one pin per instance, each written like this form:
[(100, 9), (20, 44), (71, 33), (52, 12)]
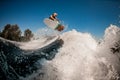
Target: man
[(53, 17)]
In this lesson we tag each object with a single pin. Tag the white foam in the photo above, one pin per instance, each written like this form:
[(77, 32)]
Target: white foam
[(82, 58)]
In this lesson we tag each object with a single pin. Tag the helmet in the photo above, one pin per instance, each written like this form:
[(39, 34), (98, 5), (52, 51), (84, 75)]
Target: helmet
[(55, 14)]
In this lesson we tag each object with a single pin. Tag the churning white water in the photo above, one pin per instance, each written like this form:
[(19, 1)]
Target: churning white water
[(82, 58)]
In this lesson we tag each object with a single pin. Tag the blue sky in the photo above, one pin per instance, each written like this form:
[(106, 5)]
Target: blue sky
[(92, 16)]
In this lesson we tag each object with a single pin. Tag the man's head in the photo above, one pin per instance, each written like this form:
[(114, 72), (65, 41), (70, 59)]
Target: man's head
[(55, 14)]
